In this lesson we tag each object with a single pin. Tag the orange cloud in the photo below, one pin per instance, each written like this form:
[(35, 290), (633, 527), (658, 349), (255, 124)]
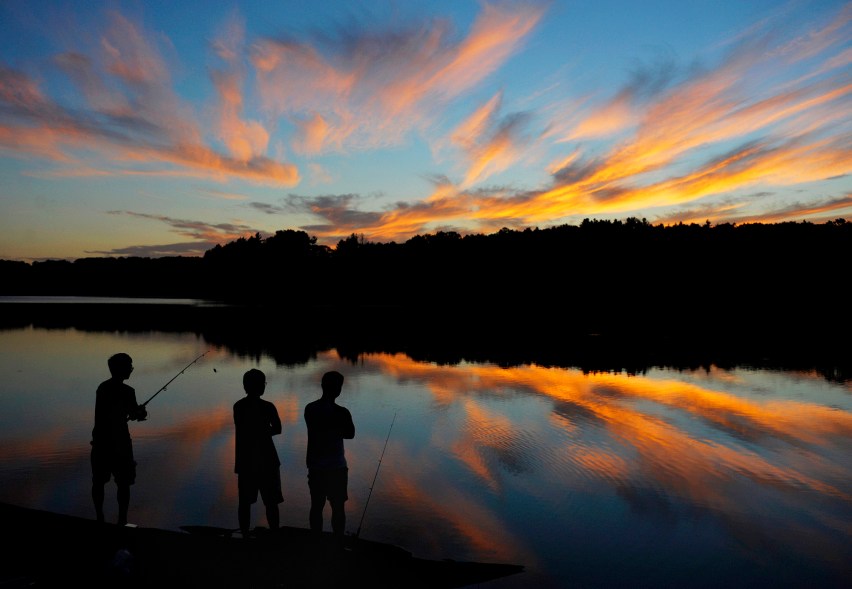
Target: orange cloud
[(495, 35), (158, 128), (612, 117), (314, 135), (375, 88), (490, 145), (697, 141), (244, 139)]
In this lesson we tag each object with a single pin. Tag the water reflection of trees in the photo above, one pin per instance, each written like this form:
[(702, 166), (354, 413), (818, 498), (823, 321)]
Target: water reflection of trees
[(295, 335)]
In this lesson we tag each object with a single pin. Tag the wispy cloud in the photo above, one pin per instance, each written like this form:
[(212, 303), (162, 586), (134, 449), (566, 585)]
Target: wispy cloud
[(361, 88), (490, 143), (131, 117), (244, 139), (690, 137), (189, 249), (220, 194), (203, 235)]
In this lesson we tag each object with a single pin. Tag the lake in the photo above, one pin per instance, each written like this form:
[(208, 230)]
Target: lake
[(731, 476)]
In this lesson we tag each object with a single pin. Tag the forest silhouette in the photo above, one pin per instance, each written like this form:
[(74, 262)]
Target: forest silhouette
[(557, 264), (625, 293)]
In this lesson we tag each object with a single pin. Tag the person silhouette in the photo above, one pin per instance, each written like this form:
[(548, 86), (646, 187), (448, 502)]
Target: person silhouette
[(112, 447), (328, 425), (256, 460)]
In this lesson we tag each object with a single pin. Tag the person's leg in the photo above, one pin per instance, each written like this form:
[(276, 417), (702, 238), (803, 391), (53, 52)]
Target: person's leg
[(97, 484), (337, 496), (317, 491), (315, 517), (244, 517), (338, 517), (123, 502), (98, 500), (125, 476), (272, 516), (271, 495)]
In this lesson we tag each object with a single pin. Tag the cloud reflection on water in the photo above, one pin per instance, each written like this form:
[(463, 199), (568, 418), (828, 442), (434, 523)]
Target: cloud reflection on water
[(546, 466), (690, 445)]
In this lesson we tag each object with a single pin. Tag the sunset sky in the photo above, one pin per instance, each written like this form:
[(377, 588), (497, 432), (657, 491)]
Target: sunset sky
[(162, 128)]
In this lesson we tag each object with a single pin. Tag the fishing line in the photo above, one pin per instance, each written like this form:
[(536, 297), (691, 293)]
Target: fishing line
[(163, 388), (375, 476)]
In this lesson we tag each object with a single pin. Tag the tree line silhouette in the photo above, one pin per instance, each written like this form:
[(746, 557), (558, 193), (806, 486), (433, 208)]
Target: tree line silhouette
[(609, 264)]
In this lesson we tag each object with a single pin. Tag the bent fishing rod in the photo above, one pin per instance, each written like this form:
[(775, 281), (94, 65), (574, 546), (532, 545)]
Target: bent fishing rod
[(375, 476), (163, 388)]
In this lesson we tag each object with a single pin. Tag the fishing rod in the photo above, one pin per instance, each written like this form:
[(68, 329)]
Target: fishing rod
[(163, 388), (375, 476)]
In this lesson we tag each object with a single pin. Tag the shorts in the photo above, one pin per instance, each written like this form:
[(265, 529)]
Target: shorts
[(328, 484), (268, 484), (116, 461)]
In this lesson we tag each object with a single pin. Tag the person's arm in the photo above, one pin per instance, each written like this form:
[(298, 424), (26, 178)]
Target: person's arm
[(274, 422), (346, 425), (137, 412)]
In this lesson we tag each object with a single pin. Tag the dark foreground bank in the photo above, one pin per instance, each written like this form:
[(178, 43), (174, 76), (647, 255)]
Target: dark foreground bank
[(52, 550)]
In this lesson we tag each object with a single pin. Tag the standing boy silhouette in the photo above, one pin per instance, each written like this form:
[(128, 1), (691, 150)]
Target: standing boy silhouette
[(112, 447), (328, 425), (257, 465)]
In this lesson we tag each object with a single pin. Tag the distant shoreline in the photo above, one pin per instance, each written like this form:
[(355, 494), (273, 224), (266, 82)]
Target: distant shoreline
[(90, 300)]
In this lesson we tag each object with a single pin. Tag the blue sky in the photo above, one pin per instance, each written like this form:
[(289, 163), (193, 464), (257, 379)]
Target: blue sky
[(163, 128)]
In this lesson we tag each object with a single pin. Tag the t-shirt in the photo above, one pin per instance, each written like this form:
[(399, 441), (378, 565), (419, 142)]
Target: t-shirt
[(256, 421), (114, 401), (328, 424)]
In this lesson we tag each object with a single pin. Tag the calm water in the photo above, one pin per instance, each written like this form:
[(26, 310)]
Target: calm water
[(706, 479)]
